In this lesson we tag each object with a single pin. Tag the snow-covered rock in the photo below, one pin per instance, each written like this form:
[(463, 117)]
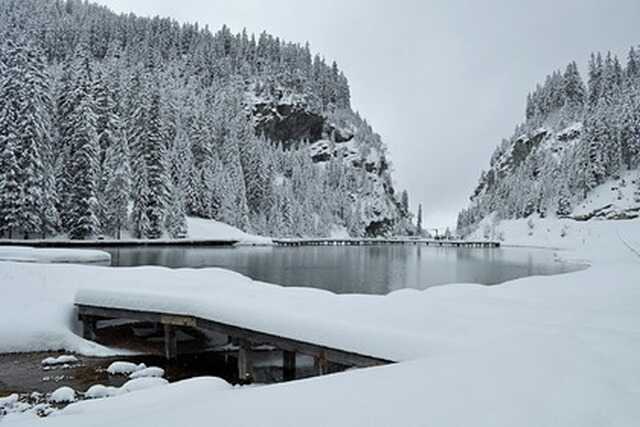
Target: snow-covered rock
[(10, 400), (151, 372), (63, 395), (100, 391), (124, 368), (60, 360)]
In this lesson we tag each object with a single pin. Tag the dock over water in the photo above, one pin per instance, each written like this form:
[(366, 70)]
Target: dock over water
[(390, 241)]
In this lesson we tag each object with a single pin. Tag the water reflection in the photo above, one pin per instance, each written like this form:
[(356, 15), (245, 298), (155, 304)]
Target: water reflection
[(350, 269)]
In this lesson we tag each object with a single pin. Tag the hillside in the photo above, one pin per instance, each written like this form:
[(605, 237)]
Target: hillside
[(576, 155), (116, 124)]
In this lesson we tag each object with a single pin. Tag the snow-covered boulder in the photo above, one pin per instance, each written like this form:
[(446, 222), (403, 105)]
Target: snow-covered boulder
[(100, 391), (124, 368), (63, 395), (66, 359), (151, 372)]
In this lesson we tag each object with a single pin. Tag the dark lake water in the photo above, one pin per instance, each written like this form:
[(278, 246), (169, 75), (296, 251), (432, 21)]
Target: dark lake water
[(357, 269)]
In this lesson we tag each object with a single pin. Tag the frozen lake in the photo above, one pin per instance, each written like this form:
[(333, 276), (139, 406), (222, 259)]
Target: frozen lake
[(356, 269)]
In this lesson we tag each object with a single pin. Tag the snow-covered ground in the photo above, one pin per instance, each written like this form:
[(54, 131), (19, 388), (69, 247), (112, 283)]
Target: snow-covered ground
[(208, 229), (557, 350), (58, 256)]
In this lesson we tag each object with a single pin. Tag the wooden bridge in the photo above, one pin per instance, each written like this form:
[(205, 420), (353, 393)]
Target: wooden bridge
[(391, 241), (244, 338)]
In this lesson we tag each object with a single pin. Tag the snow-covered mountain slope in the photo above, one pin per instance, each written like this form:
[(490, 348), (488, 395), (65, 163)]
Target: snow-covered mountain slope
[(577, 154), (178, 121), (617, 198)]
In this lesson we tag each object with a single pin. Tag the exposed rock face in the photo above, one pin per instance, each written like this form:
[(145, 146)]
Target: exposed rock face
[(289, 119), (288, 122)]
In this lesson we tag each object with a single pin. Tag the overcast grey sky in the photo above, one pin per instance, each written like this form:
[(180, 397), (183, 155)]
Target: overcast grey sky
[(442, 81)]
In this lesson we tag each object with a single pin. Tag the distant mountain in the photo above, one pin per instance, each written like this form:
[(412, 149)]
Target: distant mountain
[(575, 138), (115, 122)]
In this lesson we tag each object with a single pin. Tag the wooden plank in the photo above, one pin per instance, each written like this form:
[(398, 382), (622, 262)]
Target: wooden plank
[(245, 365), (178, 320), (89, 328), (288, 365), (320, 364), (170, 342), (254, 337)]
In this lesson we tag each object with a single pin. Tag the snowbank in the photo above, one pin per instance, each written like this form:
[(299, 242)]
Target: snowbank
[(595, 240), (100, 391), (58, 256), (208, 229), (37, 312)]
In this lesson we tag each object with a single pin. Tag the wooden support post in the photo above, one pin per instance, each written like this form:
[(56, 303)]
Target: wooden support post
[(88, 328), (245, 366), (321, 364), (170, 342), (288, 365)]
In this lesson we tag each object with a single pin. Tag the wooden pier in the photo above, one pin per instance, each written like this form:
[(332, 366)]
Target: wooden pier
[(381, 242), (244, 338), (92, 244)]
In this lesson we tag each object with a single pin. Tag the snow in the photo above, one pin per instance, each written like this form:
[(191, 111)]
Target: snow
[(339, 232), (37, 314), (124, 368), (63, 395), (553, 350), (611, 242), (616, 195), (38, 255), (60, 360), (10, 400), (100, 391), (208, 229), (138, 384), (151, 372)]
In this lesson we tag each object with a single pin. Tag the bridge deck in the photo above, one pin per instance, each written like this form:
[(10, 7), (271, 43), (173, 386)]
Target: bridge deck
[(244, 337)]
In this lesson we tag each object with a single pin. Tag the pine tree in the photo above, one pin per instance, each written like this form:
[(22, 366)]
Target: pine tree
[(419, 221), (595, 79), (404, 202), (574, 92), (34, 124), (564, 202), (176, 221), (84, 162), (154, 151), (117, 187), (9, 189)]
